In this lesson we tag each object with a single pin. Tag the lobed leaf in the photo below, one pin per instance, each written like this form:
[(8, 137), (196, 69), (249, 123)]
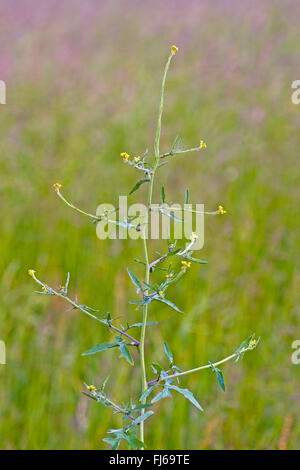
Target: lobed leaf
[(168, 302), (163, 394), (188, 395), (134, 280)]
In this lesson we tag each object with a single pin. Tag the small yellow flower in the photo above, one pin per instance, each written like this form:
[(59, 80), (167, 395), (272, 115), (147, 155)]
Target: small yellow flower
[(174, 49), (91, 388), (31, 272), (125, 156), (137, 159), (202, 144), (221, 210), (57, 186), (44, 288), (252, 343), (194, 236), (169, 276), (185, 265), (160, 292)]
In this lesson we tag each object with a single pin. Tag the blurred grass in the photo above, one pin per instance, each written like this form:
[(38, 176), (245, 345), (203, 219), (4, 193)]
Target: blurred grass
[(83, 88)]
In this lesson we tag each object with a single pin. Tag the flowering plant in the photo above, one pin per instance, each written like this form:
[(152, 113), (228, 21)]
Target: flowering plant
[(166, 379)]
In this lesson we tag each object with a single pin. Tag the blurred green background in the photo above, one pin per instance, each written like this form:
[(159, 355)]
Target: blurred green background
[(83, 82)]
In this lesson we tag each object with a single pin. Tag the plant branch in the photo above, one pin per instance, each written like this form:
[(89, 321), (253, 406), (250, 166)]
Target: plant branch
[(118, 408), (75, 305), (207, 366), (175, 152)]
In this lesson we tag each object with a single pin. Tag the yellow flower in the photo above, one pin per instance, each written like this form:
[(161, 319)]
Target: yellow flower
[(125, 156), (57, 186), (174, 49), (31, 272), (252, 343), (44, 288), (160, 292), (221, 210), (137, 159), (202, 144), (169, 276), (91, 388), (194, 236), (186, 263)]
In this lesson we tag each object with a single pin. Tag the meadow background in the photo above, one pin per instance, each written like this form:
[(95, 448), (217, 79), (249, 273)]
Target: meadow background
[(83, 80)]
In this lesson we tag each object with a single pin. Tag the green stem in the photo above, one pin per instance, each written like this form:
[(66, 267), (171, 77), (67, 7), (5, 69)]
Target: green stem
[(175, 152), (147, 267), (207, 366)]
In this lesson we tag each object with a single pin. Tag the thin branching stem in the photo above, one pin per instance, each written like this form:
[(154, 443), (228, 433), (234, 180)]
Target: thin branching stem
[(207, 366), (92, 216), (111, 403), (177, 152), (75, 305)]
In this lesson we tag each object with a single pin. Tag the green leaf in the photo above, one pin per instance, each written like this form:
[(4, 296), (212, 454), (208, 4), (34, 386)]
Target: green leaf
[(99, 348), (168, 302), (149, 286), (132, 440), (104, 383), (195, 260), (156, 368), (168, 353), (114, 442), (139, 261), (142, 417), (219, 375), (139, 325), (220, 379), (163, 394), (162, 164), (137, 185), (244, 345), (187, 196), (125, 353), (140, 407), (187, 394), (135, 281), (147, 392), (163, 196)]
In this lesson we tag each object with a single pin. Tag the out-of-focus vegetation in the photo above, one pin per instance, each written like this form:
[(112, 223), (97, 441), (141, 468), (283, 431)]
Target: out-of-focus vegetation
[(83, 83)]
